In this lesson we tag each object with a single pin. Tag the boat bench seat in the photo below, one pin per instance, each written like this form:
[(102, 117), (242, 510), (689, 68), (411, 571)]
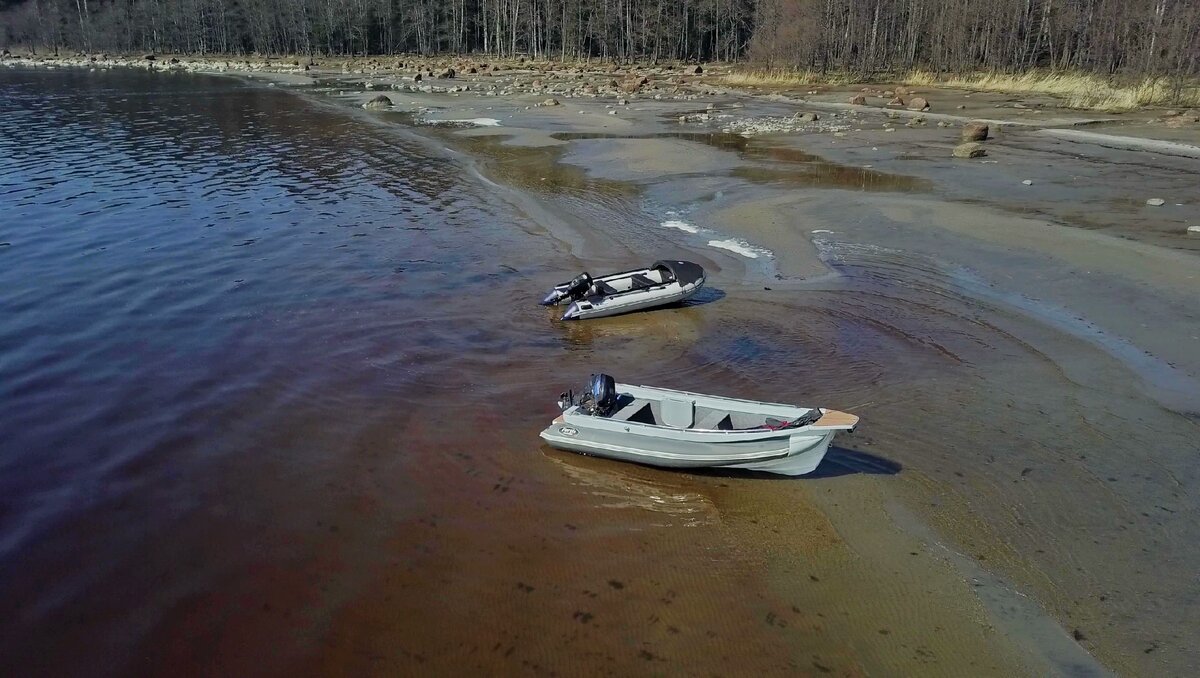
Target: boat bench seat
[(633, 412), (640, 281), (603, 288), (666, 412), (674, 413), (714, 420)]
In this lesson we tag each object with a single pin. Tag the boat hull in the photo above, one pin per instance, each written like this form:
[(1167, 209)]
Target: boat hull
[(784, 453), (631, 302)]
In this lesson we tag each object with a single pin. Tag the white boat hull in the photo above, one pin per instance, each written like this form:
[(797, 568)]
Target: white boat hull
[(665, 282), (792, 456), (787, 451), (632, 301)]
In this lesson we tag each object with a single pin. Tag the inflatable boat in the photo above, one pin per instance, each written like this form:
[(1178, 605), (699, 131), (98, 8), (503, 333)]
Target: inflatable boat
[(665, 282), (678, 429)]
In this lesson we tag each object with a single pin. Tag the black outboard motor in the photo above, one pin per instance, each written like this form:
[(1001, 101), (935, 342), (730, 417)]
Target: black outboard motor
[(601, 396), (575, 289)]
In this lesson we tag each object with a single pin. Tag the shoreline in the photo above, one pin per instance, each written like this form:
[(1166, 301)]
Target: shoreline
[(1051, 641), (1054, 648), (801, 261)]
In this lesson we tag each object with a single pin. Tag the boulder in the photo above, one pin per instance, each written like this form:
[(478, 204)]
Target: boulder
[(448, 73), (1156, 202), (975, 131), (918, 104), (858, 100), (808, 117), (896, 101), (472, 70), (149, 57), (697, 70), (417, 78), (634, 84), (381, 101), (969, 150), (1194, 230), (550, 102), (902, 91)]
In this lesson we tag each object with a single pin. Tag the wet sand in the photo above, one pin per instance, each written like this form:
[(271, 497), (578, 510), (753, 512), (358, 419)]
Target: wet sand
[(1016, 502)]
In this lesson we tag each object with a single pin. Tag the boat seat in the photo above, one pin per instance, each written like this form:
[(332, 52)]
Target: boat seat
[(714, 420), (602, 287), (637, 410), (640, 281), (677, 413)]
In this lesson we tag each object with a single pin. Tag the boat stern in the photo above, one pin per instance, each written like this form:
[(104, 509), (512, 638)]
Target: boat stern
[(573, 312)]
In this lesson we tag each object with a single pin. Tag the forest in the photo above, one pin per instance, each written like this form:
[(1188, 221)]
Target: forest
[(1136, 38)]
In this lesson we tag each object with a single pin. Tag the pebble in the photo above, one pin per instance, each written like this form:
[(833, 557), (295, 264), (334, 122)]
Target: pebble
[(1156, 202)]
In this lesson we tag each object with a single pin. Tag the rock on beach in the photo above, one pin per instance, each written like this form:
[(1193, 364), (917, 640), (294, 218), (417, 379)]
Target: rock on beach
[(975, 131), (381, 101), (970, 149)]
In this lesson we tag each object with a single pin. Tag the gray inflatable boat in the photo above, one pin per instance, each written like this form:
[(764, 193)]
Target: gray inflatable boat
[(664, 282), (678, 429)]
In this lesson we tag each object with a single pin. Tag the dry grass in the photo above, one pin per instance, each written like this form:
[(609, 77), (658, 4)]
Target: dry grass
[(786, 78), (1076, 90)]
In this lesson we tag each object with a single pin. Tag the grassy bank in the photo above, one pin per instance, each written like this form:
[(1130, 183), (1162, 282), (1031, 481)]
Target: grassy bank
[(1076, 90)]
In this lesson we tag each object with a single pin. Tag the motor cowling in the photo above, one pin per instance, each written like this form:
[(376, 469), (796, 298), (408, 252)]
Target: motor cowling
[(602, 395), (576, 288), (579, 286)]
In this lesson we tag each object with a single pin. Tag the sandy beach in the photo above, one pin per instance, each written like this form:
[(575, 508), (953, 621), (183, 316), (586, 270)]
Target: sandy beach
[(1020, 333)]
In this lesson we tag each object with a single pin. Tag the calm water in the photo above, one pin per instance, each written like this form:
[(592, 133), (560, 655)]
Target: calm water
[(271, 375), (223, 311)]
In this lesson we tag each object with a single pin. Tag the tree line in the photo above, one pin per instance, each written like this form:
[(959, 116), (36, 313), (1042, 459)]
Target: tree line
[(704, 30), (1132, 37), (1109, 37)]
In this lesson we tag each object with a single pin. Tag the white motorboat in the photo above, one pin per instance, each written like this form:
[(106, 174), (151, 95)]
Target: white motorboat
[(678, 429), (665, 282)]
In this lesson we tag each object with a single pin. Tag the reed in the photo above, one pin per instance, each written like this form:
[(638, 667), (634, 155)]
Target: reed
[(786, 78), (1076, 90)]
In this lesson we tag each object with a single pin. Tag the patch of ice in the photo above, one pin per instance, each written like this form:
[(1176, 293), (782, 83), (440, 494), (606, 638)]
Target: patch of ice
[(739, 247), (680, 225)]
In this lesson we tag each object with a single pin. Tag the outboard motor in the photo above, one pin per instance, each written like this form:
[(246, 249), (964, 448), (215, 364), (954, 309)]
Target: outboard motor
[(575, 289), (601, 398)]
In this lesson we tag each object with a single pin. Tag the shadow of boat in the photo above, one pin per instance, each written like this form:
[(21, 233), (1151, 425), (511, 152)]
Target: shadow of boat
[(838, 461)]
